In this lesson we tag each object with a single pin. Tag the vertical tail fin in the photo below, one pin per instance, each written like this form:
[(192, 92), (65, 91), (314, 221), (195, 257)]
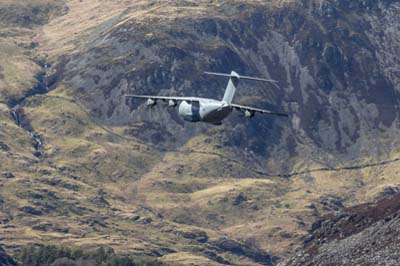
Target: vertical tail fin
[(234, 82), (231, 87)]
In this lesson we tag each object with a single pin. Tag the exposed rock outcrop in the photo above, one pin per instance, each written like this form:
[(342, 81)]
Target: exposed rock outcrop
[(367, 234), (5, 259)]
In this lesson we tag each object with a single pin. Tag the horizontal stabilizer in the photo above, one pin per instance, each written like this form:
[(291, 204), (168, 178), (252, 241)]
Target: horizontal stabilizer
[(236, 75)]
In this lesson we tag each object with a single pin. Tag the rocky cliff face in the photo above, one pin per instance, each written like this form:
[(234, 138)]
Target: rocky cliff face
[(335, 62), (5, 259), (362, 235)]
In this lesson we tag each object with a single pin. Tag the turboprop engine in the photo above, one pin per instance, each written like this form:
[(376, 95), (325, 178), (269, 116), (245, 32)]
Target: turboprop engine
[(151, 102), (172, 103), (248, 114)]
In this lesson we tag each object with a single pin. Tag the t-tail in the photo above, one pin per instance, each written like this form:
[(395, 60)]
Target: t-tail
[(234, 82)]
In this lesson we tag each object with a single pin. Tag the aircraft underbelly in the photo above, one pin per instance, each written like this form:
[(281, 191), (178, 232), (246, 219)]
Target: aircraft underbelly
[(191, 118), (207, 112), (216, 116)]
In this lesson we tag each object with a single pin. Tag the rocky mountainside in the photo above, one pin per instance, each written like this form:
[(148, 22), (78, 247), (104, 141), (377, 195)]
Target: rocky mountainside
[(367, 234), (5, 259), (335, 62), (81, 166)]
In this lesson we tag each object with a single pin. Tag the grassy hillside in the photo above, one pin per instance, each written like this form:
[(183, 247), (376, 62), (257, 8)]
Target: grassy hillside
[(72, 176)]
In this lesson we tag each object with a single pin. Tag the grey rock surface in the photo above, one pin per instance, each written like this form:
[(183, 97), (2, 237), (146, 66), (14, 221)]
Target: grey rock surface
[(363, 235)]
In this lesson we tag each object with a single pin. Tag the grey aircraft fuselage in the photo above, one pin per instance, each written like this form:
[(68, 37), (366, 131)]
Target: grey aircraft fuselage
[(206, 110)]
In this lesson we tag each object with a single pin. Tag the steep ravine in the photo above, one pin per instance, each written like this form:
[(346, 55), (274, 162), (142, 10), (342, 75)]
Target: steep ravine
[(17, 115), (16, 106)]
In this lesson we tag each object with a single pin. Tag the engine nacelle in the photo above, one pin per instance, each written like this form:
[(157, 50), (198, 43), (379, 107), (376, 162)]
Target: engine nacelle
[(249, 114), (172, 103), (151, 102)]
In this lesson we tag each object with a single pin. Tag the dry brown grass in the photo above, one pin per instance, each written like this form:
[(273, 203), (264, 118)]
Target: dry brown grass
[(68, 33), (197, 182)]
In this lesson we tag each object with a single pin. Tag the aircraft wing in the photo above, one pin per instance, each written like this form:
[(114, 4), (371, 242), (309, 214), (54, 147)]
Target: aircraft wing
[(164, 98), (251, 110)]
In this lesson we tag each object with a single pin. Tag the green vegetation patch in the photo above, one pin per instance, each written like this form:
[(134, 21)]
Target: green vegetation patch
[(59, 255)]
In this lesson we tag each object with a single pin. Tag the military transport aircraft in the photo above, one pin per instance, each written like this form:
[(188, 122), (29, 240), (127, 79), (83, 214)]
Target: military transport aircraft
[(196, 109)]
